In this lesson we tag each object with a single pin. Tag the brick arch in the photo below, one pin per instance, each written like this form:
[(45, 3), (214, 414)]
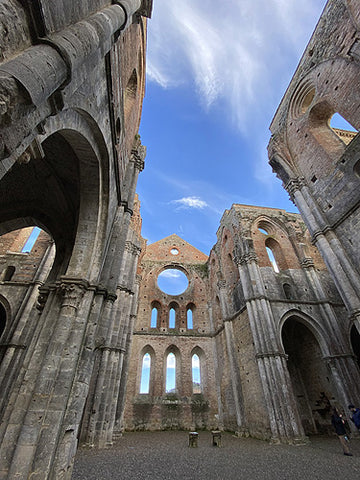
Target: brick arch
[(277, 239), (332, 79)]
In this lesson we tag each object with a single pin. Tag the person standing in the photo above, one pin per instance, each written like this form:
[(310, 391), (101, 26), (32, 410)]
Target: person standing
[(355, 415), (339, 426)]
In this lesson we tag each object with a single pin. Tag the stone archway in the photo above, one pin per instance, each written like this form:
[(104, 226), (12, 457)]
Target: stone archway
[(311, 382)]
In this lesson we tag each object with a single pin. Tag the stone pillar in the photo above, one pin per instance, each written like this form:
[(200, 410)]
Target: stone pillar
[(217, 376), (284, 419), (118, 426), (233, 360), (343, 364), (112, 339), (40, 415), (13, 350), (342, 271)]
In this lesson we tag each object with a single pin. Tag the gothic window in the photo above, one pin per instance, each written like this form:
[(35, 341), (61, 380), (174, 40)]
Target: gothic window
[(145, 374), (272, 259), (287, 291), (196, 373), (9, 272), (275, 254), (337, 121), (130, 93), (154, 317), (189, 318), (170, 384), (31, 240), (172, 317)]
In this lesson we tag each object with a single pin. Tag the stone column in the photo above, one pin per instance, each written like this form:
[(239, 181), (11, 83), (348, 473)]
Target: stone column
[(38, 419), (343, 364), (216, 366), (118, 426), (233, 360), (23, 329), (284, 419), (113, 336), (343, 273)]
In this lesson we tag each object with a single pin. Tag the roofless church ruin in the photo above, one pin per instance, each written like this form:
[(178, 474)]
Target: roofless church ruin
[(263, 338)]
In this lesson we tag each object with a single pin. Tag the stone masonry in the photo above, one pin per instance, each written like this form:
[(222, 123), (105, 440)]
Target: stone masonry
[(270, 319), (72, 80)]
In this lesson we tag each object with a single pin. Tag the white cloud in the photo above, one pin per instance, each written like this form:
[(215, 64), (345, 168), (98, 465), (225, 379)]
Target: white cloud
[(170, 273), (191, 202), (235, 51)]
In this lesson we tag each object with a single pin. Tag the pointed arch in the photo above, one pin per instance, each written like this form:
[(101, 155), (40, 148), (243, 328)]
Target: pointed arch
[(173, 315), (146, 370), (190, 309), (155, 314), (312, 324), (198, 369), (172, 370)]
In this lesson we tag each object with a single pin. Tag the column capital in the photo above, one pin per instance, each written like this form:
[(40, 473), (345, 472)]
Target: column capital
[(294, 185), (72, 291), (307, 262)]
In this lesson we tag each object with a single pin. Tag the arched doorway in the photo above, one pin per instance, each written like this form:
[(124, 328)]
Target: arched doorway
[(310, 377)]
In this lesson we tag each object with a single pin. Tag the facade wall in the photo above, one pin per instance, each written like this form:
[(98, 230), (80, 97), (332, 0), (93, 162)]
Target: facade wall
[(181, 408)]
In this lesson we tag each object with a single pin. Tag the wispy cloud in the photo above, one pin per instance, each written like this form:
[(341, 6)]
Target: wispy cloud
[(171, 273), (190, 202), (235, 61)]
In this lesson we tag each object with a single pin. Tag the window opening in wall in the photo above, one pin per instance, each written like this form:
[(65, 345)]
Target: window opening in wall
[(357, 168), (337, 121), (189, 318), (262, 230), (9, 273), (2, 319), (272, 260), (145, 374), (170, 385), (174, 251), (287, 291), (154, 316), (172, 281), (196, 374), (31, 240), (172, 318)]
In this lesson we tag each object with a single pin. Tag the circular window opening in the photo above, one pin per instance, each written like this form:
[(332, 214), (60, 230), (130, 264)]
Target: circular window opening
[(172, 281), (174, 251)]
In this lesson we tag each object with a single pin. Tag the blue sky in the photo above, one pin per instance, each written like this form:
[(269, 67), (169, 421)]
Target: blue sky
[(216, 72)]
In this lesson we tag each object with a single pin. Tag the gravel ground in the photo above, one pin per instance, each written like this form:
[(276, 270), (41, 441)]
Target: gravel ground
[(165, 455)]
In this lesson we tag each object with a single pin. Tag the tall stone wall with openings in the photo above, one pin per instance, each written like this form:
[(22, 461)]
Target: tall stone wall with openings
[(318, 164), (190, 403)]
